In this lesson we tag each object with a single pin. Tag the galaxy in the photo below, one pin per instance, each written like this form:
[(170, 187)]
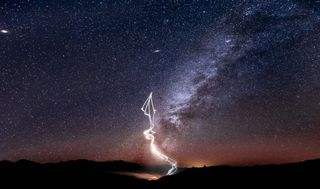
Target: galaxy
[(233, 82)]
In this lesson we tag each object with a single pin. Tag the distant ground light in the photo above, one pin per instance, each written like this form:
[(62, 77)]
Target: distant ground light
[(199, 164), (147, 176)]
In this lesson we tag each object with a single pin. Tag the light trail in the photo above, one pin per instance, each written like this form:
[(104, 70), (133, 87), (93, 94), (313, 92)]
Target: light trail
[(148, 110)]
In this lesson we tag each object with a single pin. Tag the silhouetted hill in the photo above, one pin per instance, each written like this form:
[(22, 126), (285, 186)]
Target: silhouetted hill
[(293, 174), (106, 174), (73, 173)]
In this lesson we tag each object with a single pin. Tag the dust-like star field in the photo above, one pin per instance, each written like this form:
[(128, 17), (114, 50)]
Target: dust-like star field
[(233, 82)]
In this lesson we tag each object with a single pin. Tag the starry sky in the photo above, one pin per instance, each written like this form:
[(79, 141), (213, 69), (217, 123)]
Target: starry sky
[(234, 82)]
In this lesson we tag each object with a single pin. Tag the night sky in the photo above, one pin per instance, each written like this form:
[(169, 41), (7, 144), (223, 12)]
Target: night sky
[(234, 82)]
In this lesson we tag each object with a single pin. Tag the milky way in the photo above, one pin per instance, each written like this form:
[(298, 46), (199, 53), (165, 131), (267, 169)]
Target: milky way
[(254, 77), (235, 82)]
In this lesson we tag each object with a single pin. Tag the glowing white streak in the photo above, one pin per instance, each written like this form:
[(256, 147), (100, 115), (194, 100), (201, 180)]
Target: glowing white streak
[(148, 110), (4, 31)]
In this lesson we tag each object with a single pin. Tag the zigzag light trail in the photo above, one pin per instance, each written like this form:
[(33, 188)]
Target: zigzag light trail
[(148, 110)]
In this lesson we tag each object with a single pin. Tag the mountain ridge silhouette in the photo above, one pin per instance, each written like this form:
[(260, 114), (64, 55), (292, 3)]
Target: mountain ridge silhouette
[(87, 172)]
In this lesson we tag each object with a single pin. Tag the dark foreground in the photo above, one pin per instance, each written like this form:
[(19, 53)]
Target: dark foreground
[(90, 174)]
